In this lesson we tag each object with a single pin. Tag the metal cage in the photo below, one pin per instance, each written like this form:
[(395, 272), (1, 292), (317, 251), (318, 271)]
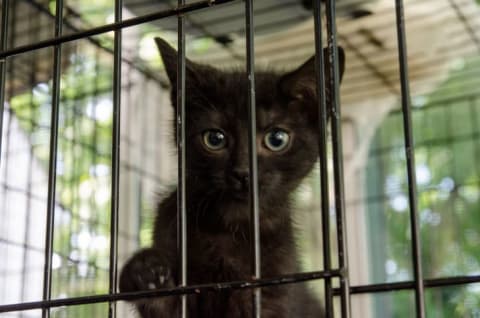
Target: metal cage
[(331, 274)]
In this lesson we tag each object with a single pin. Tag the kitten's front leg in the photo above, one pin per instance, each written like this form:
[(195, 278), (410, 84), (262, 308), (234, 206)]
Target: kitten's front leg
[(148, 269)]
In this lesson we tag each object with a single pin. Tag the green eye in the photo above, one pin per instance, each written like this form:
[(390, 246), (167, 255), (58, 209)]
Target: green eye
[(214, 139), (277, 139)]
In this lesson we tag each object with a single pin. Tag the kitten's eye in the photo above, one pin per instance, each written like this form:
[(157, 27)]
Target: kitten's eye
[(277, 139), (214, 139)]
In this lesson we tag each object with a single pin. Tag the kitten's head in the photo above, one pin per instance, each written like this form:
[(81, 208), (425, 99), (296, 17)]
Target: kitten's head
[(217, 131)]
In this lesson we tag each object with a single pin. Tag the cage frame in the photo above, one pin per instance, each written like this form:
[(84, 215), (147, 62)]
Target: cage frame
[(345, 291)]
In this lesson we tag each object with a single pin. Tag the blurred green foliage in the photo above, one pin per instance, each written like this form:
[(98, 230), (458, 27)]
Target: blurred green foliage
[(447, 147), (81, 238)]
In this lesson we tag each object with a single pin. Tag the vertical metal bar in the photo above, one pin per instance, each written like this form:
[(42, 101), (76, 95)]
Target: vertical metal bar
[(322, 147), (410, 156), (253, 164), (181, 198), (3, 65), (117, 86), (52, 168), (337, 150)]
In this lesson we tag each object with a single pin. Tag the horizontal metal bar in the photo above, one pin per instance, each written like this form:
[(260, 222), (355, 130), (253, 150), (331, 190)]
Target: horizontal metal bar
[(113, 27), (429, 283), (282, 280), (193, 289)]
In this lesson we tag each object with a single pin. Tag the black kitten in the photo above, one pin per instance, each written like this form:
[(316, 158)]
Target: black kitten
[(217, 192)]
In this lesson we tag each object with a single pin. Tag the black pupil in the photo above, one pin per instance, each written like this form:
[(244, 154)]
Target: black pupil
[(277, 139), (215, 138)]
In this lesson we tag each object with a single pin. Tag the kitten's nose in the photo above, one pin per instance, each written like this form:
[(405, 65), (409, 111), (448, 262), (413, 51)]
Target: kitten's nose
[(240, 176)]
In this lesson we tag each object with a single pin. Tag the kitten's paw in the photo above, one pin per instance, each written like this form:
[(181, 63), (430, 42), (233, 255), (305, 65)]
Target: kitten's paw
[(146, 270)]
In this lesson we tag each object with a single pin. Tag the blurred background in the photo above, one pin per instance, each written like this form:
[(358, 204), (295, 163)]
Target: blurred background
[(444, 59)]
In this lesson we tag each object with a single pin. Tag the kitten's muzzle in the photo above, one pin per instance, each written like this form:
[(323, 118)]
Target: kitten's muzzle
[(239, 179)]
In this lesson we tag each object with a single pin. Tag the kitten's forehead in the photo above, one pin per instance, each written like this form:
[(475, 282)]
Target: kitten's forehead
[(221, 101), (229, 93)]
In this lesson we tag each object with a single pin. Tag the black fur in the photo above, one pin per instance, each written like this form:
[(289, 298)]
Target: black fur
[(217, 194)]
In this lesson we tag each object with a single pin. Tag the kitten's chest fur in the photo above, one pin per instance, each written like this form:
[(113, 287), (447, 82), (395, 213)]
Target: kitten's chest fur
[(218, 256)]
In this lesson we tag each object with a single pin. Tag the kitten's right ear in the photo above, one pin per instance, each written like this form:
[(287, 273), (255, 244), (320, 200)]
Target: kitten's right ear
[(301, 82), (170, 61)]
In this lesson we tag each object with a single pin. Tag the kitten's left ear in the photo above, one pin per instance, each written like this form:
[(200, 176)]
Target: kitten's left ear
[(170, 60), (300, 83)]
